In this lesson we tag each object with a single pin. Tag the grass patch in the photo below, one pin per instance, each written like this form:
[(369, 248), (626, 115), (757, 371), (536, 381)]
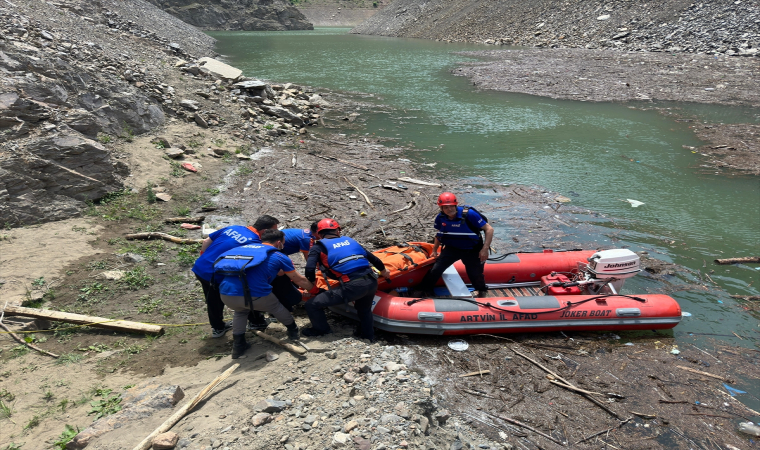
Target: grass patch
[(146, 304), (109, 404), (6, 411), (19, 351), (69, 432), (127, 206), (33, 422), (69, 358), (187, 254), (136, 279)]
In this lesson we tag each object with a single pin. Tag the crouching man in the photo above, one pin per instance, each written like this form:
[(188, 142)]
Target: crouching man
[(245, 274)]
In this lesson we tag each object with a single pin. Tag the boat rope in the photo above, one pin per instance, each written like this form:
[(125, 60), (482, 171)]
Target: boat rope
[(504, 256), (568, 306)]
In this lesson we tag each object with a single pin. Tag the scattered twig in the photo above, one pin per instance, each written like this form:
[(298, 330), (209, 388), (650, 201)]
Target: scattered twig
[(185, 219), (717, 377), (708, 415), (573, 388), (22, 341), (164, 236), (409, 206), (290, 347), (605, 431), (527, 427), (317, 214), (262, 181), (472, 374), (369, 202), (348, 163)]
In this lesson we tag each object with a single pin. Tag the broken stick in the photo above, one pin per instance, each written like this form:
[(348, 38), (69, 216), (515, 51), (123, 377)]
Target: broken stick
[(285, 345), (90, 321), (744, 259), (21, 340), (409, 206), (169, 423), (472, 374), (718, 377), (185, 219), (420, 182), (164, 236), (369, 202), (527, 427)]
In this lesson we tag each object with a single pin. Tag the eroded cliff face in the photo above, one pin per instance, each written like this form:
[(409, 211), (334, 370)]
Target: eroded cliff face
[(249, 15), (721, 26)]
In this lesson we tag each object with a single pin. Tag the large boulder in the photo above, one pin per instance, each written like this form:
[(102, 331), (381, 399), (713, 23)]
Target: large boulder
[(47, 179)]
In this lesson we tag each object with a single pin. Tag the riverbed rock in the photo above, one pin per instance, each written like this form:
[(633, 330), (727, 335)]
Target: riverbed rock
[(219, 69)]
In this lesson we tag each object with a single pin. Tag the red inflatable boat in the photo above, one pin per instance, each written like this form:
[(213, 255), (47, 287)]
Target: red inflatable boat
[(528, 292)]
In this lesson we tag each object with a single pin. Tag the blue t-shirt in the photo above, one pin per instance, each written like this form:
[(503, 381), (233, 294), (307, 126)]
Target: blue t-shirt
[(222, 240), (259, 277), (456, 233), (296, 240)]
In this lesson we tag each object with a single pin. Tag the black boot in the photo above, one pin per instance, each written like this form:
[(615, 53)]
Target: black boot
[(292, 331), (239, 345)]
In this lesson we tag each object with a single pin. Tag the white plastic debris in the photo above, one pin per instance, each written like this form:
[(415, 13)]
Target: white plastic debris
[(634, 203), (458, 345), (749, 428)]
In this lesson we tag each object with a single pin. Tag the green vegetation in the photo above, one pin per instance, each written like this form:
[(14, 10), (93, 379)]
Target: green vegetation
[(151, 195), (182, 211), (104, 138), (106, 405), (177, 170), (137, 278), (146, 304), (187, 254), (69, 358), (39, 282), (33, 422), (128, 134), (68, 434), (6, 411), (218, 142)]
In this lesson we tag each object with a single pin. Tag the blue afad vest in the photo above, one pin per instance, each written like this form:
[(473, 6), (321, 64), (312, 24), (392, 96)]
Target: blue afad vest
[(458, 232), (235, 263), (223, 240), (344, 255)]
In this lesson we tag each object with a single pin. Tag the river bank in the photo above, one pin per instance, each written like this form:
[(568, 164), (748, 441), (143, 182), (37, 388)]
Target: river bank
[(347, 392)]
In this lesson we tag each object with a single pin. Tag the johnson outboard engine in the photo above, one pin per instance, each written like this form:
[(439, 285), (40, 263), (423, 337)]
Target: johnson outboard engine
[(605, 273)]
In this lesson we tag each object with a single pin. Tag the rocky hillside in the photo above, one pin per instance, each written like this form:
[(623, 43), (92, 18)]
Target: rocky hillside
[(249, 15), (722, 26), (81, 75)]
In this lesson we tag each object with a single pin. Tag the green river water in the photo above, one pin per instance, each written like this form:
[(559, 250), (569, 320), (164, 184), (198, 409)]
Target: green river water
[(597, 154)]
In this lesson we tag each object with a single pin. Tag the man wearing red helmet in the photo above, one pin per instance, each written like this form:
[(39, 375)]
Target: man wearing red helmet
[(459, 230), (345, 260)]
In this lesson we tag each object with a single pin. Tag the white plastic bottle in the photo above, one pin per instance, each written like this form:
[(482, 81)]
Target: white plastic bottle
[(749, 428)]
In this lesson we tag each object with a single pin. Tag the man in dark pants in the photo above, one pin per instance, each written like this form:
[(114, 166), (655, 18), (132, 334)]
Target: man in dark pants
[(217, 243), (345, 260), (459, 233)]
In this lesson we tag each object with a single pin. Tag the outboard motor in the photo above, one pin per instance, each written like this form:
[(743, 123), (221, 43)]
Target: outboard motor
[(610, 268)]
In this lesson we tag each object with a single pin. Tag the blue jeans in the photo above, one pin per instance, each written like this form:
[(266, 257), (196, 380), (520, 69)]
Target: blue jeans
[(361, 291)]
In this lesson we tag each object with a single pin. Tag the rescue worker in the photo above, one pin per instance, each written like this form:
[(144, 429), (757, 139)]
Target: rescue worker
[(461, 240), (214, 245), (297, 239), (344, 259), (245, 274)]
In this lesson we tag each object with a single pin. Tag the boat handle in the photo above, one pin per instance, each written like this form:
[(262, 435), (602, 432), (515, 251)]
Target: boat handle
[(507, 303), (628, 312), (430, 316)]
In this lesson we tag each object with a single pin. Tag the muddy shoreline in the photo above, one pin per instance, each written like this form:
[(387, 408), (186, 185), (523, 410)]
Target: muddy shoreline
[(636, 77)]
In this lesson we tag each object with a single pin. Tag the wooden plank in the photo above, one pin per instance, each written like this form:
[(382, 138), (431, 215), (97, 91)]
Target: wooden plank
[(80, 319)]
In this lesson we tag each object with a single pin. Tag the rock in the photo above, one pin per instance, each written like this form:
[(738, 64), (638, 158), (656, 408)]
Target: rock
[(283, 113), (200, 121), (386, 419), (137, 403), (271, 356), (261, 419), (269, 405), (222, 151), (331, 354), (392, 366), (442, 416), (190, 105), (306, 398), (350, 426), (219, 69), (251, 84), (603, 17), (113, 275), (174, 153), (341, 440), (362, 443), (46, 35), (164, 197), (165, 441), (84, 122)]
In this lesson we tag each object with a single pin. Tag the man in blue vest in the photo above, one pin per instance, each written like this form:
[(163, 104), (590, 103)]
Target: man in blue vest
[(345, 260), (214, 245), (459, 234), (299, 240), (244, 275)]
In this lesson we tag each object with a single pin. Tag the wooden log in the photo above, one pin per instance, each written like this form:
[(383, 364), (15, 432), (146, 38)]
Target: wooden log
[(185, 219), (90, 321), (169, 423), (699, 372), (290, 347), (22, 341), (741, 260), (164, 236), (472, 374), (420, 182), (369, 202)]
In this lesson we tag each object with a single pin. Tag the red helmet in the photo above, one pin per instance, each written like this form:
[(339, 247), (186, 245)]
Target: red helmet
[(327, 224), (447, 198)]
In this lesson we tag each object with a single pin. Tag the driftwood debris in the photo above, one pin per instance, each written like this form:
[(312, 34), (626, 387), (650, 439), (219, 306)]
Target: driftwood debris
[(185, 219), (171, 421), (748, 298), (342, 161), (22, 341), (164, 236), (472, 374), (290, 347), (420, 182), (604, 431), (699, 372), (409, 206), (527, 427), (90, 321), (741, 260), (369, 202)]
